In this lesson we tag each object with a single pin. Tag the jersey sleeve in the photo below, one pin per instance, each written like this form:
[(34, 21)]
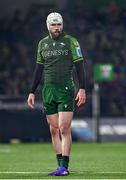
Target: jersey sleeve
[(76, 50), (39, 59)]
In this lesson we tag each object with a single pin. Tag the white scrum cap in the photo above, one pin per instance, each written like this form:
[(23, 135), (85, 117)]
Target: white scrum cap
[(53, 18)]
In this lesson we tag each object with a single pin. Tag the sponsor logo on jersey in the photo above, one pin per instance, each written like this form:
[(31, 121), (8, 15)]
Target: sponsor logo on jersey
[(56, 52)]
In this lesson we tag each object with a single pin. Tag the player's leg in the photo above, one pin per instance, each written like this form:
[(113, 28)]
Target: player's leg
[(65, 119), (55, 134), (50, 108), (65, 111), (65, 103), (61, 121), (56, 141)]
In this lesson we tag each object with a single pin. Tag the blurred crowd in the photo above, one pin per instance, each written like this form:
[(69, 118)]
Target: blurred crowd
[(101, 33)]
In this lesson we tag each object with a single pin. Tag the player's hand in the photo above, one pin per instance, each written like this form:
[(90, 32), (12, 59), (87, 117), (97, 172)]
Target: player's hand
[(31, 100), (80, 97)]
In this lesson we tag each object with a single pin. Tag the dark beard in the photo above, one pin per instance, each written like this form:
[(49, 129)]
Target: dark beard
[(55, 36)]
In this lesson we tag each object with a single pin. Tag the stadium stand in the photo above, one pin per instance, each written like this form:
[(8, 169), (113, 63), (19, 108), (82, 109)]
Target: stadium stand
[(101, 34)]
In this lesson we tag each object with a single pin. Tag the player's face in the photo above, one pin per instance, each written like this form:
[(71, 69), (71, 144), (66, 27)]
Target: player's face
[(55, 29)]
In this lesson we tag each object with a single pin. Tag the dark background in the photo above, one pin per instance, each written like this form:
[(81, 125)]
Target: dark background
[(99, 26)]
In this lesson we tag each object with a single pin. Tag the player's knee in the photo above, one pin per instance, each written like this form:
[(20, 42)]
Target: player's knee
[(64, 129), (54, 130)]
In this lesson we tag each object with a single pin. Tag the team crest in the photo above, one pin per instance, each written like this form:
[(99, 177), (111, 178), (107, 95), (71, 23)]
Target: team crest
[(45, 46)]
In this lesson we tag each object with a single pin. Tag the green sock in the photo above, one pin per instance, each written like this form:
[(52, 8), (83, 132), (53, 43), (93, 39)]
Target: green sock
[(65, 161), (59, 159)]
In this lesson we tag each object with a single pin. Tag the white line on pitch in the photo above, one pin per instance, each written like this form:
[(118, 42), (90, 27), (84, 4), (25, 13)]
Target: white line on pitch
[(23, 172)]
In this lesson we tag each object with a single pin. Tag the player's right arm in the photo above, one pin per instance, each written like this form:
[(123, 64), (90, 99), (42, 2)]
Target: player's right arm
[(31, 100), (36, 77), (36, 80)]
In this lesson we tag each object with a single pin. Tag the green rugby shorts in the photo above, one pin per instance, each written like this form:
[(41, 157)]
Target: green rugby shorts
[(58, 99)]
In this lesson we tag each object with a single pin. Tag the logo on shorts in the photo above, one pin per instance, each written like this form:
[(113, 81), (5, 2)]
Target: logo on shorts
[(65, 105)]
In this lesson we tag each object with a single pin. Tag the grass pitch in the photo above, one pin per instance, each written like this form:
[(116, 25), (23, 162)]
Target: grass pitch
[(88, 161)]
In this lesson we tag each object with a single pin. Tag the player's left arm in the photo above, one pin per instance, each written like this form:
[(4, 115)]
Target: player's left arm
[(79, 65), (81, 95)]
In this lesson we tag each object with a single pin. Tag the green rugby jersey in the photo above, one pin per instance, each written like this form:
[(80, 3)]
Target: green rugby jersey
[(58, 57)]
